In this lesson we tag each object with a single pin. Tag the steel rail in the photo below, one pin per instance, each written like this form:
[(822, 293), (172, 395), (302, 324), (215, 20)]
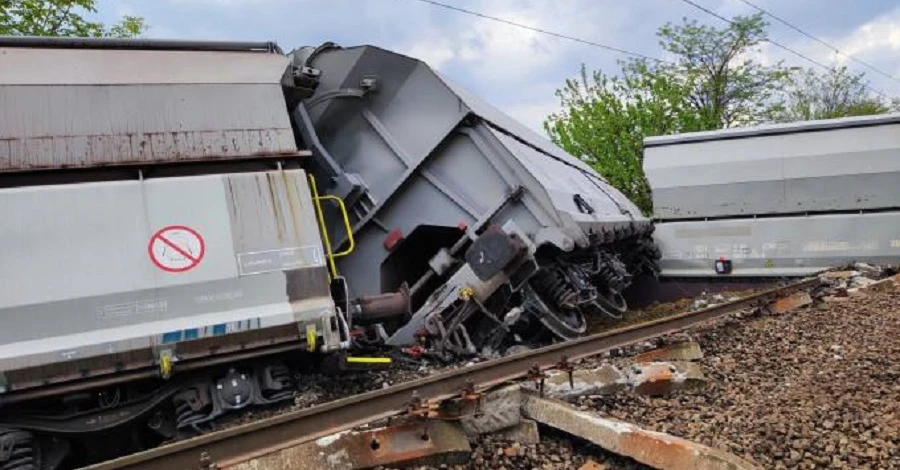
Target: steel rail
[(235, 445)]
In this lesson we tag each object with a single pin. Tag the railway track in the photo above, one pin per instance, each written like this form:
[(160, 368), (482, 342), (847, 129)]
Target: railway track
[(229, 447)]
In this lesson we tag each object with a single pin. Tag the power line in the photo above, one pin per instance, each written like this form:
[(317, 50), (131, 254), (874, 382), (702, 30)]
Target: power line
[(539, 30), (782, 46), (830, 46)]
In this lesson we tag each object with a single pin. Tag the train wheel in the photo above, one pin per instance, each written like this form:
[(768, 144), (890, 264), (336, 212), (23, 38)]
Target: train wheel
[(18, 450), (565, 323)]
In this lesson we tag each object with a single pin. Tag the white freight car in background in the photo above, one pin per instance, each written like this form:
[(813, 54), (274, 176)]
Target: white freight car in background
[(777, 200)]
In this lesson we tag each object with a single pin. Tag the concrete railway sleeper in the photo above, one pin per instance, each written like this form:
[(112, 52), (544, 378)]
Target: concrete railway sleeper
[(425, 397)]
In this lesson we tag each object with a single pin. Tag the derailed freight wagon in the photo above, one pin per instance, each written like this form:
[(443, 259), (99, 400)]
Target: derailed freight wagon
[(171, 250), (777, 201), (425, 168)]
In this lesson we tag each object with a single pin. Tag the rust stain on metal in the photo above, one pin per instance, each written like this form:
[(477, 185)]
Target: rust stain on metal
[(276, 209), (133, 148), (293, 210), (402, 445)]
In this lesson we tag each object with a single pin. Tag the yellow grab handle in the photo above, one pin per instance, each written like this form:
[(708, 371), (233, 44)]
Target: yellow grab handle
[(317, 200), (347, 226)]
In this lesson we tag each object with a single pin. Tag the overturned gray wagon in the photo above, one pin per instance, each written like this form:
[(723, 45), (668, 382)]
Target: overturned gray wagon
[(425, 168)]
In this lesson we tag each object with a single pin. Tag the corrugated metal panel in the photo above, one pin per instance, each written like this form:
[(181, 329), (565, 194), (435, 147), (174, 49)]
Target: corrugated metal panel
[(774, 129), (778, 246), (34, 66), (115, 107), (562, 182), (826, 170), (52, 127), (82, 271), (503, 121)]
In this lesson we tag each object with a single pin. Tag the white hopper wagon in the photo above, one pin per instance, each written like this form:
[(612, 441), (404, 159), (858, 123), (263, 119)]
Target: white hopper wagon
[(777, 201)]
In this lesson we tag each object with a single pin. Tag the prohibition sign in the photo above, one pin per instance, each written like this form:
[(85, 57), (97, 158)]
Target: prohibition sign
[(176, 248)]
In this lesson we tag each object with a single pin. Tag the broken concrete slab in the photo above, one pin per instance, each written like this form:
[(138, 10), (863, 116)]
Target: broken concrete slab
[(402, 445), (861, 282), (658, 450), (526, 432), (499, 409), (868, 270), (662, 378), (885, 285), (680, 351), (603, 380), (839, 274), (791, 302)]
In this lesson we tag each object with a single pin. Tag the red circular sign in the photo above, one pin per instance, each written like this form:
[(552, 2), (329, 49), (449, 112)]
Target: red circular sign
[(176, 248)]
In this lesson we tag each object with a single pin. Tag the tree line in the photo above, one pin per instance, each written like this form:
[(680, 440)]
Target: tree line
[(714, 80)]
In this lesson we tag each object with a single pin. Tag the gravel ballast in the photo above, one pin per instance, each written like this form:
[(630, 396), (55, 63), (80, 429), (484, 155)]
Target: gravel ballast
[(813, 388), (556, 451)]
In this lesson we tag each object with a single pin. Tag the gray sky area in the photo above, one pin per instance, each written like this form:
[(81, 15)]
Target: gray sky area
[(516, 69)]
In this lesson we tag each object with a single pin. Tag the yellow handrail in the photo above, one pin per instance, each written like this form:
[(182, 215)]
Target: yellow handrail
[(321, 218), (347, 226)]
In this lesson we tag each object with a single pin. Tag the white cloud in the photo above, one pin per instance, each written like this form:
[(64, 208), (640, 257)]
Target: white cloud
[(490, 51), (533, 114), (223, 3), (434, 53), (875, 42), (881, 35)]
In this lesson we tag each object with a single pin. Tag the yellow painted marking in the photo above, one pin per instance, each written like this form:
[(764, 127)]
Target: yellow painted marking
[(311, 338), (466, 293), (165, 366), (369, 360)]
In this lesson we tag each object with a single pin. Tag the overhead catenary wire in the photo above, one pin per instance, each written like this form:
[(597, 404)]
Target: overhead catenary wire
[(540, 30), (782, 46), (646, 57), (820, 41)]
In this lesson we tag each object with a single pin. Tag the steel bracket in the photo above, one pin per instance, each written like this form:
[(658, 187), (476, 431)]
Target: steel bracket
[(166, 362), (537, 375), (566, 366), (468, 393), (422, 409)]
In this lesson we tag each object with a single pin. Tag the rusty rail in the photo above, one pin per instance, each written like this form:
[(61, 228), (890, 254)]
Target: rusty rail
[(229, 447)]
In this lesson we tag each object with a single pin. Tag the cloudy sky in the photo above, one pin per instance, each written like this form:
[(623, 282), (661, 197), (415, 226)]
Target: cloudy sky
[(515, 69)]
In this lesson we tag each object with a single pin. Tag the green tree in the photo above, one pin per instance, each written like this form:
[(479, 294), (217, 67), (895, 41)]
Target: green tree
[(835, 93), (605, 118), (728, 86), (61, 18), (711, 81)]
